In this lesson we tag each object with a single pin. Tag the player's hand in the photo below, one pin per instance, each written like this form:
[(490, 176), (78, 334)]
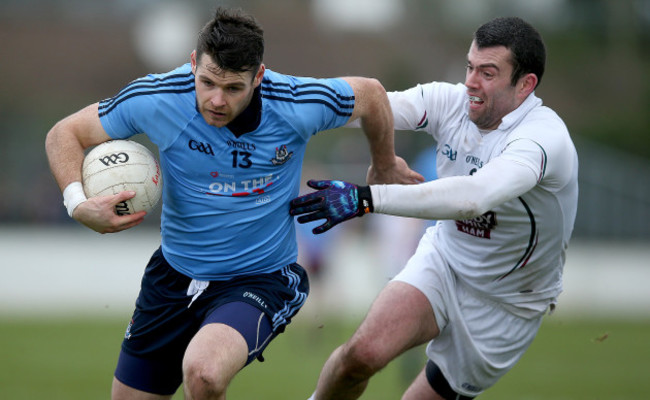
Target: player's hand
[(334, 201), (98, 213), (399, 172)]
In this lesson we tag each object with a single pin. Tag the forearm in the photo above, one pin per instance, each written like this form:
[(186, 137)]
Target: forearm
[(373, 113), (377, 125), (457, 197)]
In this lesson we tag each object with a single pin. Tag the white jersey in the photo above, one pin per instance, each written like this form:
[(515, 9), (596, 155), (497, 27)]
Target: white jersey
[(525, 171)]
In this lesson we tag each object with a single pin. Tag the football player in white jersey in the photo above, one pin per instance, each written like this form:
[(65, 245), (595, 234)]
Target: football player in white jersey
[(482, 278)]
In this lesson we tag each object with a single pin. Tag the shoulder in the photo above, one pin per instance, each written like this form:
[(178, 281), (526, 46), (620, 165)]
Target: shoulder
[(444, 100), (275, 82), (543, 132), (154, 87), (543, 125), (333, 93), (428, 105)]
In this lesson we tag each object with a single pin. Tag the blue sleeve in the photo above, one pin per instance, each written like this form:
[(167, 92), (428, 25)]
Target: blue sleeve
[(311, 105), (155, 105)]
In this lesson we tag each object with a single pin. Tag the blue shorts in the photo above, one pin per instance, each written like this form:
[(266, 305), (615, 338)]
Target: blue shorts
[(164, 322)]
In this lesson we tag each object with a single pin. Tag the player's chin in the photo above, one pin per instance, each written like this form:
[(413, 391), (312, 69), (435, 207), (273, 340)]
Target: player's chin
[(216, 119)]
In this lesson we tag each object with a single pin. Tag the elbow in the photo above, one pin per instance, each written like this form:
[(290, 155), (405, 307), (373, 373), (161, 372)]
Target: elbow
[(471, 209), (52, 138), (375, 86)]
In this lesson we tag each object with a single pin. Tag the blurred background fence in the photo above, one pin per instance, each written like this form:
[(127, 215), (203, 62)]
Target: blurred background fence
[(57, 56)]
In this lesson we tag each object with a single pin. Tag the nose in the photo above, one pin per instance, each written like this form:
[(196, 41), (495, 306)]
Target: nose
[(470, 79), (218, 98)]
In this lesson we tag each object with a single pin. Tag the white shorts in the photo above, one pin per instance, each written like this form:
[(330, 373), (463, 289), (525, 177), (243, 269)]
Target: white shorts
[(479, 340)]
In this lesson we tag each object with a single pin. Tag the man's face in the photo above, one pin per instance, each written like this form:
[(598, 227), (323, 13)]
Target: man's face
[(222, 95), (491, 96)]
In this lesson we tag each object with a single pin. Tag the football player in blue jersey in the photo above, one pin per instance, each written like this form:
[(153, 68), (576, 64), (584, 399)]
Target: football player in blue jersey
[(231, 137)]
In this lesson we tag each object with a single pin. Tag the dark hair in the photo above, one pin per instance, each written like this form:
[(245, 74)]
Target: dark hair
[(234, 40), (523, 41)]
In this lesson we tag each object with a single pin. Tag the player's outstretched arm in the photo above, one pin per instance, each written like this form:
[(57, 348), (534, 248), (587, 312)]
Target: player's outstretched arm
[(376, 119)]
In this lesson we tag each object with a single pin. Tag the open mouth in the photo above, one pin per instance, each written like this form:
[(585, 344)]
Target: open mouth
[(475, 100)]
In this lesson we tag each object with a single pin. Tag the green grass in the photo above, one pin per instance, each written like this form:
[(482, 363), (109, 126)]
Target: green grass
[(570, 359)]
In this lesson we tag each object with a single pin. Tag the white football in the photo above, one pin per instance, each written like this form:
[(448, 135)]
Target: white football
[(118, 165)]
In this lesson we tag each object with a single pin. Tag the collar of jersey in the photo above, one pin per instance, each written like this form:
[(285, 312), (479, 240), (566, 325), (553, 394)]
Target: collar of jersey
[(250, 118), (524, 108)]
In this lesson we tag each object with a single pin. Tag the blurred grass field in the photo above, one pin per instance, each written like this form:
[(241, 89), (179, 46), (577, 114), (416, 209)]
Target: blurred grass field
[(573, 359)]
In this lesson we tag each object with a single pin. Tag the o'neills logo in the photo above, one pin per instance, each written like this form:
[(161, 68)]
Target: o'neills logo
[(480, 226)]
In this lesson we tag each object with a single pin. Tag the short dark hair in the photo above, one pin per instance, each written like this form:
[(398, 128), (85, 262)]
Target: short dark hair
[(234, 40), (523, 41)]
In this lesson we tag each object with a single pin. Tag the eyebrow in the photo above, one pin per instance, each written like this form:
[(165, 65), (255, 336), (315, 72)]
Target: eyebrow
[(485, 65), (206, 76)]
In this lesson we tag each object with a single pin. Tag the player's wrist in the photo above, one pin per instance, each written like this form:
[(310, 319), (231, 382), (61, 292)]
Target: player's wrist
[(73, 195), (365, 200)]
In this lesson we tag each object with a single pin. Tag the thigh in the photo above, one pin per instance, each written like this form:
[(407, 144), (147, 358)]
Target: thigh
[(400, 318), (250, 322), (421, 389), (487, 337), (120, 391), (218, 351)]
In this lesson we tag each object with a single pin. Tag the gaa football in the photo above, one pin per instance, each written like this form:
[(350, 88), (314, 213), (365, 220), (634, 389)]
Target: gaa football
[(118, 165)]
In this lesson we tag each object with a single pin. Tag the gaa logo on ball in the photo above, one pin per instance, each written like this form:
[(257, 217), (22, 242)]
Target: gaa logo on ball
[(120, 165)]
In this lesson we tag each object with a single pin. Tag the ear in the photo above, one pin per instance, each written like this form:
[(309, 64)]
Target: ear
[(259, 76), (193, 61), (527, 84)]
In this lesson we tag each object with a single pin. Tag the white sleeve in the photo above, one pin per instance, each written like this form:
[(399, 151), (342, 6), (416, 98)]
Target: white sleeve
[(408, 109), (456, 197)]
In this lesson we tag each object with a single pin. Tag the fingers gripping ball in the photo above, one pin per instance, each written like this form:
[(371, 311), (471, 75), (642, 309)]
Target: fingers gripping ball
[(120, 165), (334, 201)]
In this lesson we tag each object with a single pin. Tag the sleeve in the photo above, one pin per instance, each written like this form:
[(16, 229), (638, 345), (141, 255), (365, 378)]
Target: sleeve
[(117, 118), (409, 111), (528, 153), (153, 104), (310, 105), (456, 197), (428, 107), (545, 147)]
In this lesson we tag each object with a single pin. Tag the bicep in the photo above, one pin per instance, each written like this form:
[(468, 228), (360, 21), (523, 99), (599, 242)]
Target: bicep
[(501, 180), (456, 197), (86, 127), (368, 94)]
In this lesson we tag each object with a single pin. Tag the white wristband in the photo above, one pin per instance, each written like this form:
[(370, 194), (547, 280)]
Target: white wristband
[(73, 195)]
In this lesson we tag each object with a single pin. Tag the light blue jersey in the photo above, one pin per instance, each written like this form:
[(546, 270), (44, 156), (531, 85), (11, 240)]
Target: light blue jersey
[(226, 197)]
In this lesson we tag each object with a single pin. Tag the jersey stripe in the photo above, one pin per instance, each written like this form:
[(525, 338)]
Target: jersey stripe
[(315, 93), (177, 83), (544, 162), (291, 307), (423, 122), (532, 242)]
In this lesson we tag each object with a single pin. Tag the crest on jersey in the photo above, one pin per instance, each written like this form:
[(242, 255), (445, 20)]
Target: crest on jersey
[(282, 155)]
